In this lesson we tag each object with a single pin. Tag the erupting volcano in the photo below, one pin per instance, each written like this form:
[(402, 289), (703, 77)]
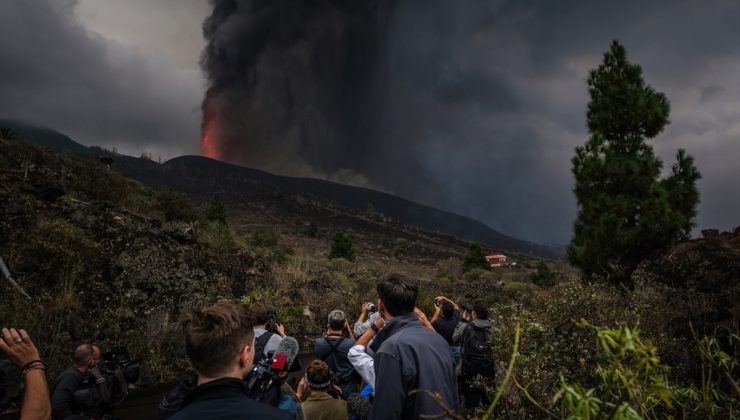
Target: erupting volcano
[(208, 136)]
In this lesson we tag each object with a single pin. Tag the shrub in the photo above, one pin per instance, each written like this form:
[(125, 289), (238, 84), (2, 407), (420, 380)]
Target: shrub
[(544, 276), (216, 211), (175, 206), (341, 246), (264, 238), (475, 258)]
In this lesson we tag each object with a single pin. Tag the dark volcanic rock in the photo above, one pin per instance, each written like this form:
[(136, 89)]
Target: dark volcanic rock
[(702, 276)]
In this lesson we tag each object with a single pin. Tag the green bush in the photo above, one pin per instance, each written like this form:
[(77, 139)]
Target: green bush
[(544, 276), (264, 238), (216, 211), (218, 236), (175, 206), (475, 258), (341, 246)]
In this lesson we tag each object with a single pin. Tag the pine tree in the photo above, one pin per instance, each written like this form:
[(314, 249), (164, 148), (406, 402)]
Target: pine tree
[(625, 211), (216, 210), (475, 258)]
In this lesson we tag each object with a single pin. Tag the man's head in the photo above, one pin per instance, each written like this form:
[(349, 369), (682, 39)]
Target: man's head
[(262, 313), (318, 375), (337, 319), (480, 310), (396, 294), (84, 357), (447, 309), (219, 340)]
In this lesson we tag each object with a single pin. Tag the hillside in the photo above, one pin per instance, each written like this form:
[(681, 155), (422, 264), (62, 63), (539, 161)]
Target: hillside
[(109, 260), (284, 197)]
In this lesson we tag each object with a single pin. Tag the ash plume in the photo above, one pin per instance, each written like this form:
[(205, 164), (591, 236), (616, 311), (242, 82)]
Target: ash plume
[(293, 85)]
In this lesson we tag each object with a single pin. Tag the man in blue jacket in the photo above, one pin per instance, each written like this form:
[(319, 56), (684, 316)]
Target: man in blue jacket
[(409, 357)]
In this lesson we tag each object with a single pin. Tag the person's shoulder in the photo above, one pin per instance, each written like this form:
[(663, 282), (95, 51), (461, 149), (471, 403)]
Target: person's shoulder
[(242, 408)]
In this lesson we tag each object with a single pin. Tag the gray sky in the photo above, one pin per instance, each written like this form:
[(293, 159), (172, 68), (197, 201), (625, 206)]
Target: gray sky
[(492, 94)]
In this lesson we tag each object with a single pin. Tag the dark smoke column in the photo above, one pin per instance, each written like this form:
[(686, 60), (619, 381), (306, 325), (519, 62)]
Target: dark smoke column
[(293, 85)]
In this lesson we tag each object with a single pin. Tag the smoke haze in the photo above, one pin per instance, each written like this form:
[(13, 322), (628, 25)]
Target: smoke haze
[(469, 106)]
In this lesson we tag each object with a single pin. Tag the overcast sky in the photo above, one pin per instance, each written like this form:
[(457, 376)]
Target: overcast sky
[(495, 91)]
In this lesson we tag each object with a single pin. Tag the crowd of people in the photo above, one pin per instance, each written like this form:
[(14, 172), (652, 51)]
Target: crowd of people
[(393, 363)]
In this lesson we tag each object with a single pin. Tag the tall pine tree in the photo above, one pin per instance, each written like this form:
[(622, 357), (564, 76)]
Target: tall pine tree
[(625, 211)]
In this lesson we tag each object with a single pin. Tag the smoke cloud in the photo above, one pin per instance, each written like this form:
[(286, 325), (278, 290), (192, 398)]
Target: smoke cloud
[(473, 107)]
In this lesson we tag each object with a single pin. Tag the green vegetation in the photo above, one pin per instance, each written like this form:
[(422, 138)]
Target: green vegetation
[(625, 211), (475, 258), (341, 246), (103, 264), (175, 206), (264, 238), (216, 211), (544, 276)]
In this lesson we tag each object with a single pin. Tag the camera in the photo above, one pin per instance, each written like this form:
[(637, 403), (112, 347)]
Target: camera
[(272, 320), (372, 308), (467, 307), (437, 302), (265, 380), (117, 358)]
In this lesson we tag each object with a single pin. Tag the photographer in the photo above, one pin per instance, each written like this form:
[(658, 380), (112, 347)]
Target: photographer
[(21, 351), (268, 332), (445, 320), (368, 315), (333, 349), (477, 368), (63, 401), (321, 404)]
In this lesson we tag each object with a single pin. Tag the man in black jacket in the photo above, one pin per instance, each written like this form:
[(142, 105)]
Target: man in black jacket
[(63, 402), (409, 357), (219, 341)]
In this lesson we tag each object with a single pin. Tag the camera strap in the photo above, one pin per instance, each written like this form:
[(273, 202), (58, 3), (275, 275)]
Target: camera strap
[(260, 343), (100, 384), (334, 347)]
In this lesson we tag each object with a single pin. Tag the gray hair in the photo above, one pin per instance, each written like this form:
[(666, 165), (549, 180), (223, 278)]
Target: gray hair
[(337, 319)]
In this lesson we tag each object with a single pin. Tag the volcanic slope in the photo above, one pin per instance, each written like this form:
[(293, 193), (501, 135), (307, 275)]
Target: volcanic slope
[(257, 198)]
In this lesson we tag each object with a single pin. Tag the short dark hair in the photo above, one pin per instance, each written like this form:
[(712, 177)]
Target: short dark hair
[(481, 309), (398, 293), (263, 313), (82, 354), (215, 335), (318, 372), (447, 309)]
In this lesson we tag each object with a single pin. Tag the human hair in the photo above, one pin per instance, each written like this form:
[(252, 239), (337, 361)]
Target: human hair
[(215, 335), (318, 373), (262, 313), (481, 309), (447, 309), (337, 319), (82, 354), (398, 293)]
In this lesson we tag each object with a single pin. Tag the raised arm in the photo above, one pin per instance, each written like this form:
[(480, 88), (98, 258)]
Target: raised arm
[(23, 353)]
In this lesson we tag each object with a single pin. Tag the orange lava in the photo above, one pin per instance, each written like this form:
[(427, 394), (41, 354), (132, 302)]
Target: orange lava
[(208, 139)]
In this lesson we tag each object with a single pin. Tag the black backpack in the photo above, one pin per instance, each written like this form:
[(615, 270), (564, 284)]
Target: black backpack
[(476, 354)]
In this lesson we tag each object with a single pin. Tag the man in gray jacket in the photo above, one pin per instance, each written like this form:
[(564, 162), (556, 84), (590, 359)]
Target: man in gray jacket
[(411, 359), (476, 365)]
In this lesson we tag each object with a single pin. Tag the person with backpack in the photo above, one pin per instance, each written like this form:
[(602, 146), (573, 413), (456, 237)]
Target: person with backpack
[(476, 359), (268, 332), (333, 349)]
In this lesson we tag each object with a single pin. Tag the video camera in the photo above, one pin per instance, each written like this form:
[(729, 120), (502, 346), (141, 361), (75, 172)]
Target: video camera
[(107, 384), (117, 358)]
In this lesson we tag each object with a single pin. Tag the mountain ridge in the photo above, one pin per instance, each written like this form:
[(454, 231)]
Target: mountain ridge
[(195, 173)]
